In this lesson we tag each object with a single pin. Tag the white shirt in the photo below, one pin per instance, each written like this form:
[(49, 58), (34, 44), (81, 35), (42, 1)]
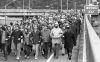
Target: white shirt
[(56, 34)]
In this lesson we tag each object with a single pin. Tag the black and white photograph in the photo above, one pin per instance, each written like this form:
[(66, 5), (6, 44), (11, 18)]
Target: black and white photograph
[(49, 30)]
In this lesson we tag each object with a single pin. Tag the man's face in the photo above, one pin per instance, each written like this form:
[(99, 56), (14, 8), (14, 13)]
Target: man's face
[(9, 28), (45, 27), (35, 28), (16, 28), (56, 25)]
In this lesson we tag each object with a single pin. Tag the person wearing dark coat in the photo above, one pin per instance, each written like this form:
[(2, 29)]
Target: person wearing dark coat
[(74, 29), (35, 39), (17, 34), (0, 36), (45, 35), (4, 42), (68, 41)]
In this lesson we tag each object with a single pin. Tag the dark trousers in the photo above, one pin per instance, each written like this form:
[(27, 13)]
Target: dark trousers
[(45, 48), (56, 50), (69, 51), (4, 49), (27, 49)]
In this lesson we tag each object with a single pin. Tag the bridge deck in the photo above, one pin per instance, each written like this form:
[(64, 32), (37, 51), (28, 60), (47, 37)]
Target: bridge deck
[(41, 59)]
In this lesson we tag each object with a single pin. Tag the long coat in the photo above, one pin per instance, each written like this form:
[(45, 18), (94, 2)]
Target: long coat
[(68, 39)]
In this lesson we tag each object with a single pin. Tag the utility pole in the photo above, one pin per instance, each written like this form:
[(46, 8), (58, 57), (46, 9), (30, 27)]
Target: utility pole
[(5, 14), (67, 5), (24, 9), (75, 6), (61, 5), (23, 4), (29, 4)]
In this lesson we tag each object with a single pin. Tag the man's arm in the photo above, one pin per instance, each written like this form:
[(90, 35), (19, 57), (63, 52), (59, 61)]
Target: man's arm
[(61, 33), (51, 33)]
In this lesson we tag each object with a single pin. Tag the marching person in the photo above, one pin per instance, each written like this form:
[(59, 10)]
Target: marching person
[(45, 34), (17, 34), (56, 34), (4, 42), (27, 45), (0, 38), (9, 40), (35, 38), (68, 40)]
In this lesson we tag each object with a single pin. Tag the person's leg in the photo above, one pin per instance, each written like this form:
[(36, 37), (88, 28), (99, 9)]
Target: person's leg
[(50, 45), (57, 50), (46, 50), (25, 51), (54, 49), (28, 50), (9, 49), (34, 49), (9, 46), (37, 51), (19, 45), (63, 49), (69, 53), (4, 51), (15, 51), (13, 46)]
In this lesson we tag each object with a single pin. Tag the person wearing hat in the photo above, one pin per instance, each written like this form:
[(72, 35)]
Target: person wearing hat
[(56, 34), (68, 40), (45, 35), (17, 35)]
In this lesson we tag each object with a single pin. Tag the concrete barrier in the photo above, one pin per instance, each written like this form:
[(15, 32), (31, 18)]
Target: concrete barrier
[(92, 44)]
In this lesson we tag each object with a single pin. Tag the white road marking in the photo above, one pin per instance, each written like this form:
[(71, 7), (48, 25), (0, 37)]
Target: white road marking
[(50, 57)]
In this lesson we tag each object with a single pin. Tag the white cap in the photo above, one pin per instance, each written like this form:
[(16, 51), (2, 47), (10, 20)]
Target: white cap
[(56, 23)]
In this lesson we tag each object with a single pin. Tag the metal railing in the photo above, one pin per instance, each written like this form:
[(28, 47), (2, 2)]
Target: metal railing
[(27, 10)]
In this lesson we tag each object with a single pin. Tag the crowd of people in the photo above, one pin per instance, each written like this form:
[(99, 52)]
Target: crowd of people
[(43, 34)]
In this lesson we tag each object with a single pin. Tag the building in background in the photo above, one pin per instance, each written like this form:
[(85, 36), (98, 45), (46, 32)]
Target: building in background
[(9, 19)]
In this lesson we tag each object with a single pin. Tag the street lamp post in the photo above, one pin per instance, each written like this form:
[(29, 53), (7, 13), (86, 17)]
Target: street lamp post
[(29, 4), (67, 5), (75, 6), (61, 5), (5, 15), (6, 9), (24, 9)]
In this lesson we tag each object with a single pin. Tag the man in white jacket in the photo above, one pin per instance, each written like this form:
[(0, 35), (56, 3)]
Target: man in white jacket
[(56, 34)]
